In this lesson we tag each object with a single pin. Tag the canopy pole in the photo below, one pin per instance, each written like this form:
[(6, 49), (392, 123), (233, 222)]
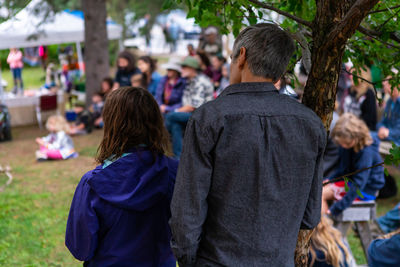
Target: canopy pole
[(80, 57)]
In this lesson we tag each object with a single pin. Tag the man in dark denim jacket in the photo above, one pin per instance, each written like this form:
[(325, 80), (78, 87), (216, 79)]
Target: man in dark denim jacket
[(250, 175)]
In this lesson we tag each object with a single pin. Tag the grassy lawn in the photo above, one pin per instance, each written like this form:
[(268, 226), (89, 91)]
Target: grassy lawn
[(34, 208), (33, 78)]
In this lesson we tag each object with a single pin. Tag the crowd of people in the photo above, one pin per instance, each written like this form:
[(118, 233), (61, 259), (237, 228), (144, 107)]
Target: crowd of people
[(143, 111), (226, 200)]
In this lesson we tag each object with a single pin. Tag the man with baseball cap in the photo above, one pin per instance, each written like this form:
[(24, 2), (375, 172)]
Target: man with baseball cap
[(198, 91)]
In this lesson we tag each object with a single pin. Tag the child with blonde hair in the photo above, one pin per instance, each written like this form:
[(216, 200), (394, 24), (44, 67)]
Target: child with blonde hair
[(327, 247), (58, 144), (357, 151)]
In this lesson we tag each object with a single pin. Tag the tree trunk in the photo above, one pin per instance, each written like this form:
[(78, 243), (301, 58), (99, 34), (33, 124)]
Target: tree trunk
[(335, 22), (96, 45)]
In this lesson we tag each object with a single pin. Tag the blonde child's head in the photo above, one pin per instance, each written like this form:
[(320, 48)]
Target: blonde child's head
[(57, 123), (351, 132), (327, 239)]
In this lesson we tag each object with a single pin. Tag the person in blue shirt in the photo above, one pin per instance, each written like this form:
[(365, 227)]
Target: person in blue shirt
[(358, 150), (151, 78), (126, 68), (388, 129), (385, 251), (390, 221), (120, 211)]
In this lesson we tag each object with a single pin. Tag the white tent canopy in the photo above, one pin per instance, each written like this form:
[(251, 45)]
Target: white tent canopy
[(28, 28)]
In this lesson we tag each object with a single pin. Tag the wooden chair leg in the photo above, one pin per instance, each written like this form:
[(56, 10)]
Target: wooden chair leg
[(343, 227), (365, 235)]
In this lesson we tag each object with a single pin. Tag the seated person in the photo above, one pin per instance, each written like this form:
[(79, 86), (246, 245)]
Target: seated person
[(106, 86), (151, 78), (357, 151), (198, 91), (225, 78), (96, 109), (327, 248), (390, 221), (389, 127), (137, 80), (84, 121), (217, 63), (361, 100), (57, 145), (126, 67), (170, 89), (385, 251)]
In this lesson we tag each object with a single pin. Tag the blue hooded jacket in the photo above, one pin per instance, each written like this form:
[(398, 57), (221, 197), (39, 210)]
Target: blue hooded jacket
[(119, 214), (368, 181), (385, 252)]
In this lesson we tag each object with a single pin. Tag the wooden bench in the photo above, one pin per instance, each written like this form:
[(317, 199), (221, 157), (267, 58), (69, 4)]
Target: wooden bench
[(360, 212)]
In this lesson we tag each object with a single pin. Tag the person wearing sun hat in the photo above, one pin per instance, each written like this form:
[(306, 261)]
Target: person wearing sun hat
[(170, 88), (198, 91)]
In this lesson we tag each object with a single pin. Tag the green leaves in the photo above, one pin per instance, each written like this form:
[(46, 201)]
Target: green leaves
[(346, 184), (394, 157), (347, 188), (168, 4), (359, 193)]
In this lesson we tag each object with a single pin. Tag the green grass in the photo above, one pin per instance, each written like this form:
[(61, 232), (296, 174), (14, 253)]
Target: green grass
[(34, 208), (33, 78)]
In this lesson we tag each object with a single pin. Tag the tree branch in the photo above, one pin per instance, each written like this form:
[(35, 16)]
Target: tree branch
[(305, 48), (284, 13), (386, 21), (384, 10), (375, 34), (351, 173), (346, 27)]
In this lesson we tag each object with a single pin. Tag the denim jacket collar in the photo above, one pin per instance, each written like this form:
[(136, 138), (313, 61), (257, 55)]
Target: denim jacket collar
[(250, 87)]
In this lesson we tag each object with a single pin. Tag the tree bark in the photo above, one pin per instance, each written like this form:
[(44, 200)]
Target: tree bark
[(335, 22), (96, 56)]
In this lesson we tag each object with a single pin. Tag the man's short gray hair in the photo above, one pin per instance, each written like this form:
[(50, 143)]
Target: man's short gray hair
[(268, 49)]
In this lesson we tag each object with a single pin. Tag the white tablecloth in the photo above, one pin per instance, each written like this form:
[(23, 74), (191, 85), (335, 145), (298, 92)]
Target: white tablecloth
[(23, 108)]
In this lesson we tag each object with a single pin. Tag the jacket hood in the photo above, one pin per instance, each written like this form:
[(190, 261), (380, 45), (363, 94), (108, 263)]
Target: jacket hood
[(136, 181)]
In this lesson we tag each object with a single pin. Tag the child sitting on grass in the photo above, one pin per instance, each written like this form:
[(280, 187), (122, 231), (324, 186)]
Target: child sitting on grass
[(120, 211), (357, 151), (57, 145), (84, 120), (96, 109)]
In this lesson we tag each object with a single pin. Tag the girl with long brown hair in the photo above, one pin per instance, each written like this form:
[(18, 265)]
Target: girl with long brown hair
[(120, 211), (361, 99), (151, 77)]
